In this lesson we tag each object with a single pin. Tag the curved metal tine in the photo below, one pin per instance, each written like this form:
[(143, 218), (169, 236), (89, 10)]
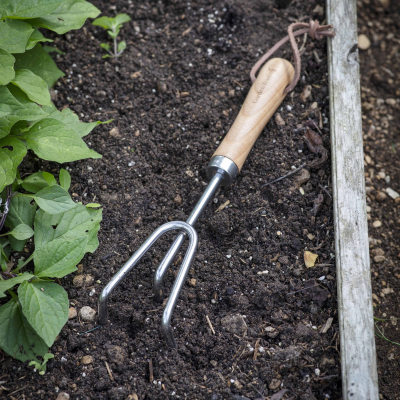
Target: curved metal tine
[(176, 289), (173, 250), (120, 275)]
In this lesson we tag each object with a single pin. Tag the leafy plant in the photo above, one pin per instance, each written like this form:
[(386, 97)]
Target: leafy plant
[(114, 26), (41, 367), (63, 231)]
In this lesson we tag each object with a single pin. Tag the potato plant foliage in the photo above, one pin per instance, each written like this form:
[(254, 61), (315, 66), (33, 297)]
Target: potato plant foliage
[(34, 307)]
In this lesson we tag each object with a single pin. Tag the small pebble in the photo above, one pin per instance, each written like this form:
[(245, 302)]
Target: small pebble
[(87, 314), (392, 193), (86, 360), (381, 196), (363, 42), (379, 259), (72, 313), (377, 224), (63, 396)]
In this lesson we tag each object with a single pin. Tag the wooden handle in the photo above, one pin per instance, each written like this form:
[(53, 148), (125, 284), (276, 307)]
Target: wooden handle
[(263, 99)]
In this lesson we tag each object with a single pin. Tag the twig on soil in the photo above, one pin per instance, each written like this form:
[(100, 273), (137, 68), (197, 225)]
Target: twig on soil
[(210, 324), (109, 370), (303, 289), (151, 374), (256, 346), (325, 190), (285, 176), (15, 391)]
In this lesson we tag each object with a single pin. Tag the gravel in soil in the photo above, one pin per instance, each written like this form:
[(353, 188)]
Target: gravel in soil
[(252, 320), (380, 93)]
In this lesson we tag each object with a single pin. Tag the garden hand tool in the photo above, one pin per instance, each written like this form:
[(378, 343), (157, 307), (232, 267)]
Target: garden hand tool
[(264, 97)]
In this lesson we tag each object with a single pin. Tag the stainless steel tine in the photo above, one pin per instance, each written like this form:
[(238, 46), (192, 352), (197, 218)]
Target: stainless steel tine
[(206, 197), (119, 276)]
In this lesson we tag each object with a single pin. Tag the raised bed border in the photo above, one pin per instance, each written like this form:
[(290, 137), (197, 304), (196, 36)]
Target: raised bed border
[(356, 321)]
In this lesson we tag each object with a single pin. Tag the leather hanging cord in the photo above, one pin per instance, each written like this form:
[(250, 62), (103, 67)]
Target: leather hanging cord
[(313, 28)]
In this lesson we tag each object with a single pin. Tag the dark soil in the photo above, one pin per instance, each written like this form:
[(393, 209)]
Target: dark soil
[(380, 91), (173, 95)]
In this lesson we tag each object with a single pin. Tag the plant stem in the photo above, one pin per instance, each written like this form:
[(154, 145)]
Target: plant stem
[(23, 264)]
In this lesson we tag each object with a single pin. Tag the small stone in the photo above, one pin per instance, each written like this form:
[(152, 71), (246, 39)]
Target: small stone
[(86, 360), (391, 102), (381, 196), (192, 282), (190, 173), (178, 200), (234, 324), (381, 175), (83, 280), (132, 397), (62, 396), (387, 291), (306, 93), (197, 42), (377, 224), (229, 291), (101, 93), (274, 384), (297, 272), (379, 259), (368, 159), (161, 87), (392, 193), (221, 93), (213, 363), (363, 42), (232, 93), (87, 314), (72, 313), (378, 252), (116, 354), (184, 94), (115, 132), (279, 120)]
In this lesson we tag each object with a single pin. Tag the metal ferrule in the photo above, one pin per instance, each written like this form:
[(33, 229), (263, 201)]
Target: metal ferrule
[(225, 166)]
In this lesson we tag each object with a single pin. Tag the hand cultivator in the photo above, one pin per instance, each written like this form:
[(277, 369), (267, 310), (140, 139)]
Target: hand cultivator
[(264, 97)]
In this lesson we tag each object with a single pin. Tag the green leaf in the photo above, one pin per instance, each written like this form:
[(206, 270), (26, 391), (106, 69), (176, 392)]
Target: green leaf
[(59, 257), (33, 85), (53, 199), (71, 14), (6, 123), (121, 46), (30, 111), (49, 178), (21, 211), (112, 23), (50, 49), (40, 63), (12, 151), (8, 103), (10, 283), (7, 72), (105, 46), (50, 140), (45, 306), (21, 232), (37, 181), (27, 8), (14, 35), (106, 56), (65, 179), (93, 205), (104, 22), (17, 337), (35, 38), (80, 221)]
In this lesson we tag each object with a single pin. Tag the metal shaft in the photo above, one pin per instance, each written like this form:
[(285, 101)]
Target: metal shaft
[(173, 250)]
